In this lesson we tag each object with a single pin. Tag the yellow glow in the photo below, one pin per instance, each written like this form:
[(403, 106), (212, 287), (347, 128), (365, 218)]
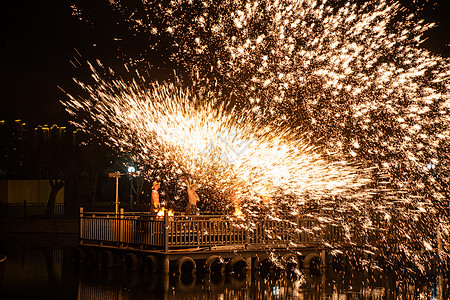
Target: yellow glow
[(161, 211)]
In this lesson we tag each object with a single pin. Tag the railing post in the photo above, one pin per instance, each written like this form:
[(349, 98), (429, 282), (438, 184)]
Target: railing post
[(166, 231), (121, 228), (81, 225), (24, 209), (197, 226), (247, 233)]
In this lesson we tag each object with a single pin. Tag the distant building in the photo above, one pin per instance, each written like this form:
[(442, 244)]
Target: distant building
[(30, 152)]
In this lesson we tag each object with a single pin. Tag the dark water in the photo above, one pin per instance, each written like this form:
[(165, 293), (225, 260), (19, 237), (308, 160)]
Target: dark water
[(49, 273)]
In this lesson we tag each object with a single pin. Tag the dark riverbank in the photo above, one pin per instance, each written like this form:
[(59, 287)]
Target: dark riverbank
[(39, 240), (39, 232), (49, 226)]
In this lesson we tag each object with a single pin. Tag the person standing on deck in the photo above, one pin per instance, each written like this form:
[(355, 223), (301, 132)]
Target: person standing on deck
[(266, 195), (235, 198), (155, 205), (191, 208)]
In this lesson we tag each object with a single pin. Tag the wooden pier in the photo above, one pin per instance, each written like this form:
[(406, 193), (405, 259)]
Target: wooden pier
[(181, 244)]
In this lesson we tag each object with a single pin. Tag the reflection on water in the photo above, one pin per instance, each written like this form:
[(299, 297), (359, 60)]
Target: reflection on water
[(37, 273), (45, 273), (108, 284)]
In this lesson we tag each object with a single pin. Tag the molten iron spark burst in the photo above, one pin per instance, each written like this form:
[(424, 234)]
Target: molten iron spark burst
[(191, 132), (353, 75)]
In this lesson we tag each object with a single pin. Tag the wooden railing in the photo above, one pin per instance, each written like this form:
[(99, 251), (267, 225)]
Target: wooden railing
[(206, 231), (142, 230), (108, 228)]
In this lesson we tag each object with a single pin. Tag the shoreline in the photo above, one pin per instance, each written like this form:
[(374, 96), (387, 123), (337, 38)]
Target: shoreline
[(60, 226), (57, 233)]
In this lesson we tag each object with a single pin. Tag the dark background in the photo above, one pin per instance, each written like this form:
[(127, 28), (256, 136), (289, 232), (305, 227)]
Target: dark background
[(39, 38)]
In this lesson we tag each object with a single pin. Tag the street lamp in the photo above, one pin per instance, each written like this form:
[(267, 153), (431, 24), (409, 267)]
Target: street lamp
[(431, 166), (131, 174), (116, 175)]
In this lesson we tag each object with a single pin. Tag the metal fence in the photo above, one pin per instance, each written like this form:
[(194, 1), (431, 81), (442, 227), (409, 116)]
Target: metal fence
[(36, 210)]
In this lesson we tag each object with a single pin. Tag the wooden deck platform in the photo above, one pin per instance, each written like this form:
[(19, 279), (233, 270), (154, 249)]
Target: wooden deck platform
[(179, 243)]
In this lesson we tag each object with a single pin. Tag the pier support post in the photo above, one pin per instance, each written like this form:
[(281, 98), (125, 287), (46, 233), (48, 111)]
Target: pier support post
[(165, 284), (323, 262), (249, 263), (81, 225), (165, 265)]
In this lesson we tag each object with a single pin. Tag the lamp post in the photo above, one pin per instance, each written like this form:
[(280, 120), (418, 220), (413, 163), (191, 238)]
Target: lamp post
[(131, 173), (116, 175)]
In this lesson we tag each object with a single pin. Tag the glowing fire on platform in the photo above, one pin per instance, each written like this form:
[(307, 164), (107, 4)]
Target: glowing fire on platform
[(238, 212), (162, 210)]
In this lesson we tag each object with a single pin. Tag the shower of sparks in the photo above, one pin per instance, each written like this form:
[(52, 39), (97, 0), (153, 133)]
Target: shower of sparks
[(191, 132), (351, 73)]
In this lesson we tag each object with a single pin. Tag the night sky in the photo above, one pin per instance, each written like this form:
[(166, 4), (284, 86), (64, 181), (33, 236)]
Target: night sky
[(39, 38)]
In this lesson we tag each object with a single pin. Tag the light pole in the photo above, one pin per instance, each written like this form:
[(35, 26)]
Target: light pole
[(131, 173), (116, 175)]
